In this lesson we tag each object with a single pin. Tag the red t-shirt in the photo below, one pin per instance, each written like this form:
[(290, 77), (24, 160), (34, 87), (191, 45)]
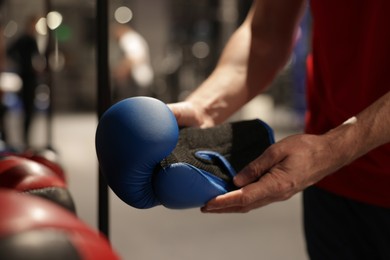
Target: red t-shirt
[(348, 69)]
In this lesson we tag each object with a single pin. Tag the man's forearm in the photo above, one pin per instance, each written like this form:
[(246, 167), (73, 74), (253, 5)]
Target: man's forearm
[(224, 91), (274, 30), (362, 133), (251, 58)]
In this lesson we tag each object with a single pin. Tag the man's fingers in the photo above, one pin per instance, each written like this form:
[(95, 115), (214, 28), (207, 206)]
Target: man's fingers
[(225, 210), (237, 209), (266, 190), (185, 114), (229, 199), (258, 167), (236, 201)]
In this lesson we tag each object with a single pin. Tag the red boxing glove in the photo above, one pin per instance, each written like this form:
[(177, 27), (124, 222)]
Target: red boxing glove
[(32, 228), (28, 176), (47, 157)]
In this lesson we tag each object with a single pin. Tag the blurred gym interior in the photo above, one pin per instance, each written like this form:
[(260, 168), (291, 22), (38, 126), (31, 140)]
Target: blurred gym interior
[(183, 40)]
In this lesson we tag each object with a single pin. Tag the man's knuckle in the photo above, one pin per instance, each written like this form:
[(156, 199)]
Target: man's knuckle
[(272, 152), (254, 170)]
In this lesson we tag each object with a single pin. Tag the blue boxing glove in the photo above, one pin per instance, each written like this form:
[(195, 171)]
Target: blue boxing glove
[(147, 161), (132, 138)]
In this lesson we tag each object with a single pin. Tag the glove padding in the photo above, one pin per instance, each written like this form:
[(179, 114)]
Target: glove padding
[(147, 162)]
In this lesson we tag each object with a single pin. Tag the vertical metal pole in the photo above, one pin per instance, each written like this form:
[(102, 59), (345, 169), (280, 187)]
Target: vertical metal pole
[(49, 81), (103, 102)]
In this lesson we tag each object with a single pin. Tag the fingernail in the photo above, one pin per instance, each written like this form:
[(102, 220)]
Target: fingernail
[(237, 180)]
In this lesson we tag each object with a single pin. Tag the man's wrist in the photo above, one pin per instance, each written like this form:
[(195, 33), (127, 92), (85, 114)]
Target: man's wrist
[(344, 142)]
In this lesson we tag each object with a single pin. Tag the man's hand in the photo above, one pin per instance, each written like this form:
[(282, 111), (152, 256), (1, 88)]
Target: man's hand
[(189, 115), (283, 170)]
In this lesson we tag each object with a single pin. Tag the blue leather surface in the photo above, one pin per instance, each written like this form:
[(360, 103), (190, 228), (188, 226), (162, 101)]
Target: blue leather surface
[(132, 137), (182, 186)]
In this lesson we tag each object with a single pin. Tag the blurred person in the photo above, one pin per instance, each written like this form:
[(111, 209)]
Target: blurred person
[(341, 163), (133, 74), (22, 52)]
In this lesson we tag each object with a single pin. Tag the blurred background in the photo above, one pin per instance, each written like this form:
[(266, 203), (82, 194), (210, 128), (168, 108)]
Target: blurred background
[(162, 49)]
